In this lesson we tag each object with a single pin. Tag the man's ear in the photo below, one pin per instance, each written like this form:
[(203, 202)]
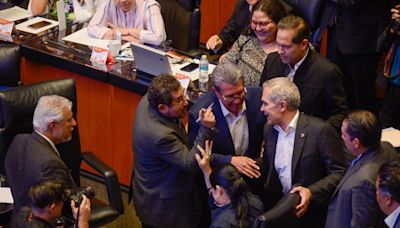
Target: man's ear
[(388, 200), (163, 108), (304, 44), (52, 208), (356, 142), (52, 124), (282, 106)]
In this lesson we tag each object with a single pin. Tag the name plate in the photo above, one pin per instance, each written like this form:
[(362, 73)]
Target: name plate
[(99, 55)]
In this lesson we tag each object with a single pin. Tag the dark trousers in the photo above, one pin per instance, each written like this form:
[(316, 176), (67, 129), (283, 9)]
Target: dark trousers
[(390, 113), (359, 76)]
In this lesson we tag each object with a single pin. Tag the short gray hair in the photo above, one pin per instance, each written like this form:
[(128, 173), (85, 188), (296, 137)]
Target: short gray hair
[(48, 109), (226, 73), (283, 89)]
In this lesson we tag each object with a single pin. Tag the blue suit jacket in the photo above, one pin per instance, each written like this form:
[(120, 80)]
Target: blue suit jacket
[(353, 204), (223, 148)]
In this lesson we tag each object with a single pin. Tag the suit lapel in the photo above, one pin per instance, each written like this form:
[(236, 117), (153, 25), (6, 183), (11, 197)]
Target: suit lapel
[(353, 169), (221, 125), (299, 141), (44, 142), (303, 67), (397, 223), (250, 124), (271, 150)]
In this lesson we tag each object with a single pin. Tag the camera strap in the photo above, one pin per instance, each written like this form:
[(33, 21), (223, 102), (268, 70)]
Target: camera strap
[(391, 67)]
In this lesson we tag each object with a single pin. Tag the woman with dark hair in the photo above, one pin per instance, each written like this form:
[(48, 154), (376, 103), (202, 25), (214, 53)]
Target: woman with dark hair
[(252, 47), (235, 205)]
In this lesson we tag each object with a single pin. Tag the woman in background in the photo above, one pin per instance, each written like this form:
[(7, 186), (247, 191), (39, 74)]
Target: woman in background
[(137, 20), (235, 205), (252, 47)]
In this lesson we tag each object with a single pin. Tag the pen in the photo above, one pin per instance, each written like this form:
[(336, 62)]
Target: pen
[(208, 108)]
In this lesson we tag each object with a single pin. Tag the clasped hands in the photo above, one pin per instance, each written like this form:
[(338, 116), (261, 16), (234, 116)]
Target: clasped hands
[(127, 34)]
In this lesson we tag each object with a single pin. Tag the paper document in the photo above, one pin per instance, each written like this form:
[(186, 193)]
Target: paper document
[(82, 37), (14, 14), (391, 135), (36, 25), (5, 195)]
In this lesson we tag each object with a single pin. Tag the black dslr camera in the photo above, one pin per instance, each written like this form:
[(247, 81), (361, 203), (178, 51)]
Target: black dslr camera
[(76, 194)]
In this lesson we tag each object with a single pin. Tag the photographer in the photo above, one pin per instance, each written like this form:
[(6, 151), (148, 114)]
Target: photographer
[(47, 201), (388, 43)]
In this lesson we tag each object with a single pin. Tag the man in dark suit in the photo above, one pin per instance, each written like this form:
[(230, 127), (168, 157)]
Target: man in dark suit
[(353, 204), (318, 80), (238, 120), (167, 190), (34, 157), (388, 192), (300, 151), (355, 26)]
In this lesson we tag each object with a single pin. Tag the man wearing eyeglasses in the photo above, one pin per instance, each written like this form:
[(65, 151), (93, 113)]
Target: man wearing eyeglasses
[(166, 184), (238, 120)]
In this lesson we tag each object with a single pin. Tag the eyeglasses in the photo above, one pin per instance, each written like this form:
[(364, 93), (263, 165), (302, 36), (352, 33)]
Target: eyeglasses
[(262, 24), (181, 99), (232, 98)]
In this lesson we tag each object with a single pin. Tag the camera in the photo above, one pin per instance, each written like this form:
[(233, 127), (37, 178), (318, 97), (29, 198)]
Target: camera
[(76, 194)]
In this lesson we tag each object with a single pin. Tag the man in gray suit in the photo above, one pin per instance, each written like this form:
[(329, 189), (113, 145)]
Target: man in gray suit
[(33, 157), (167, 183), (388, 192), (353, 204), (300, 151)]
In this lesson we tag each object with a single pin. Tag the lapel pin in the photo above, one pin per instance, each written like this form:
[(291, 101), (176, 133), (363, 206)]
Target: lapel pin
[(302, 135)]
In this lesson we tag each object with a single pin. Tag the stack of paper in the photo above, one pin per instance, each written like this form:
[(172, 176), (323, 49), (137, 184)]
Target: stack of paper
[(14, 14), (391, 135)]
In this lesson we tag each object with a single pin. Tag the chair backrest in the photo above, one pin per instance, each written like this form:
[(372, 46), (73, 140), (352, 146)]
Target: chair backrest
[(9, 64), (182, 22), (311, 11), (16, 113), (284, 208)]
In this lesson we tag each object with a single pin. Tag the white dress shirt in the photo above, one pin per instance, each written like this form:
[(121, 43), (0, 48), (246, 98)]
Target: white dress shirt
[(390, 220), (292, 71), (284, 153), (146, 16), (238, 128)]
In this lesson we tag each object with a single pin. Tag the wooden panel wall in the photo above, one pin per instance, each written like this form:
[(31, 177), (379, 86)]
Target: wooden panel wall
[(214, 15)]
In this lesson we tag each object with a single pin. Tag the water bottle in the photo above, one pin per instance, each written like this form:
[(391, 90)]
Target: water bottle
[(203, 73)]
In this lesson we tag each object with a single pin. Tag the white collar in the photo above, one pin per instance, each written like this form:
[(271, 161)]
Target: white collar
[(297, 65), (226, 112), (390, 220), (292, 124)]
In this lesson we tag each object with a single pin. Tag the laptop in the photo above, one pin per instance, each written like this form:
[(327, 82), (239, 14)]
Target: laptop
[(150, 60)]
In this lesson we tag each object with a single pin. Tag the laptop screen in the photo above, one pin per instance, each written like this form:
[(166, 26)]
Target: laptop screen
[(150, 60)]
